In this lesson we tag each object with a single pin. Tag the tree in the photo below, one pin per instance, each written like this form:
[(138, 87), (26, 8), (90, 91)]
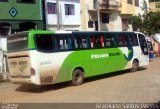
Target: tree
[(151, 24), (136, 22)]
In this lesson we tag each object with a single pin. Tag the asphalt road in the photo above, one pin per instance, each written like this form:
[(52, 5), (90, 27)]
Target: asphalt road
[(119, 87)]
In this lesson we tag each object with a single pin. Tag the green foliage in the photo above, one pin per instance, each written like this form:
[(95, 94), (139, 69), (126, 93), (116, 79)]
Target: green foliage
[(136, 22), (149, 25), (152, 23)]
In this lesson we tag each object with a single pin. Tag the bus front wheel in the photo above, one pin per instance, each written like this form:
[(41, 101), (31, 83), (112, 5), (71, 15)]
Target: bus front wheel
[(77, 77), (135, 66)]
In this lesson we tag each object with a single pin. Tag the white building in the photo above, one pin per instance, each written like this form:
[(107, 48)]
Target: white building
[(69, 11)]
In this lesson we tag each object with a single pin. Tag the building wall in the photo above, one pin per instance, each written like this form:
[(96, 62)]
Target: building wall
[(17, 17), (67, 22), (154, 6), (128, 10), (24, 12), (89, 12)]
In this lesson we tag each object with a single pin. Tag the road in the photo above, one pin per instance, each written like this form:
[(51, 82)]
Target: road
[(121, 87)]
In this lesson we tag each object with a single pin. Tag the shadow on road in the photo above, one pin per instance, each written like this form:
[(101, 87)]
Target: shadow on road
[(45, 88), (41, 89), (112, 74)]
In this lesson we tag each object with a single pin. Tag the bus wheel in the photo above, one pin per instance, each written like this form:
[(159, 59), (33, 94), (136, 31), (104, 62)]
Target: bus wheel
[(135, 66), (77, 77)]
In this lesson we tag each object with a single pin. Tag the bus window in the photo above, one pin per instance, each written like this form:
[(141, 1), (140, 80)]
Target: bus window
[(81, 42), (97, 42), (133, 40), (122, 40), (102, 40), (44, 43), (143, 44), (64, 43), (109, 41)]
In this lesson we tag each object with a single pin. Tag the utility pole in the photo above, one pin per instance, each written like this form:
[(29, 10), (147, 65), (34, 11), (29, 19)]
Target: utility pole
[(58, 15), (98, 15), (44, 13), (145, 9)]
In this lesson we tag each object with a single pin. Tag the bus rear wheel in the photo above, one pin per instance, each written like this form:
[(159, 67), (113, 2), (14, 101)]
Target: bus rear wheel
[(77, 77), (135, 66)]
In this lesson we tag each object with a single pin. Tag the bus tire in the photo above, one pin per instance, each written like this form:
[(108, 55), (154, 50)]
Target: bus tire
[(77, 77), (135, 66)]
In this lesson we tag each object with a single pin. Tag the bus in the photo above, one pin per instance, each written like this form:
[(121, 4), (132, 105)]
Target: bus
[(42, 57)]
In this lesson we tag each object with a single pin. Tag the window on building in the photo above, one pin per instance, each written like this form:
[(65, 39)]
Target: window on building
[(104, 18), (151, 0), (26, 1), (51, 8), (69, 9), (3, 0), (136, 2), (130, 1), (154, 0), (94, 4), (157, 5)]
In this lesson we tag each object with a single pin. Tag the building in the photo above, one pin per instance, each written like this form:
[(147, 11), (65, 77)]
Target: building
[(69, 15), (154, 5), (130, 8), (114, 14), (106, 10), (18, 15)]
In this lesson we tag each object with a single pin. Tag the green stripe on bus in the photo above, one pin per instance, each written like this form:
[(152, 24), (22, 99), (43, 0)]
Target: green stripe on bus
[(93, 62)]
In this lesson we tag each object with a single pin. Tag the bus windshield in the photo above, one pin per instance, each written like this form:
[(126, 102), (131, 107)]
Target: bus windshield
[(17, 41)]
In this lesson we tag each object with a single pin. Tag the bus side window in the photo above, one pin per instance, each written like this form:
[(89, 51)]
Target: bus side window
[(96, 42), (133, 40), (122, 40), (110, 41), (64, 43), (102, 41), (81, 42), (143, 44), (92, 40)]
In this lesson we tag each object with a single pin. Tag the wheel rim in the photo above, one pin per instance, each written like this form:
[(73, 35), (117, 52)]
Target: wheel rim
[(78, 77), (134, 66)]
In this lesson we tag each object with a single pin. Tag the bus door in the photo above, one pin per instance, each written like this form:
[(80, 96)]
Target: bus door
[(144, 58)]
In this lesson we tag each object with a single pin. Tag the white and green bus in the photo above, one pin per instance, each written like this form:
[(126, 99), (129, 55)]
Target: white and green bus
[(43, 57)]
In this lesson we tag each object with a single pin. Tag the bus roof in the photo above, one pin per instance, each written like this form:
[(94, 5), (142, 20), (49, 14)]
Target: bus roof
[(34, 32), (102, 32)]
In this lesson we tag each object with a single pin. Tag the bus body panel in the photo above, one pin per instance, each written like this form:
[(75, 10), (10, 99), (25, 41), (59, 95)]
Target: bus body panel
[(49, 65), (58, 66), (93, 62)]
